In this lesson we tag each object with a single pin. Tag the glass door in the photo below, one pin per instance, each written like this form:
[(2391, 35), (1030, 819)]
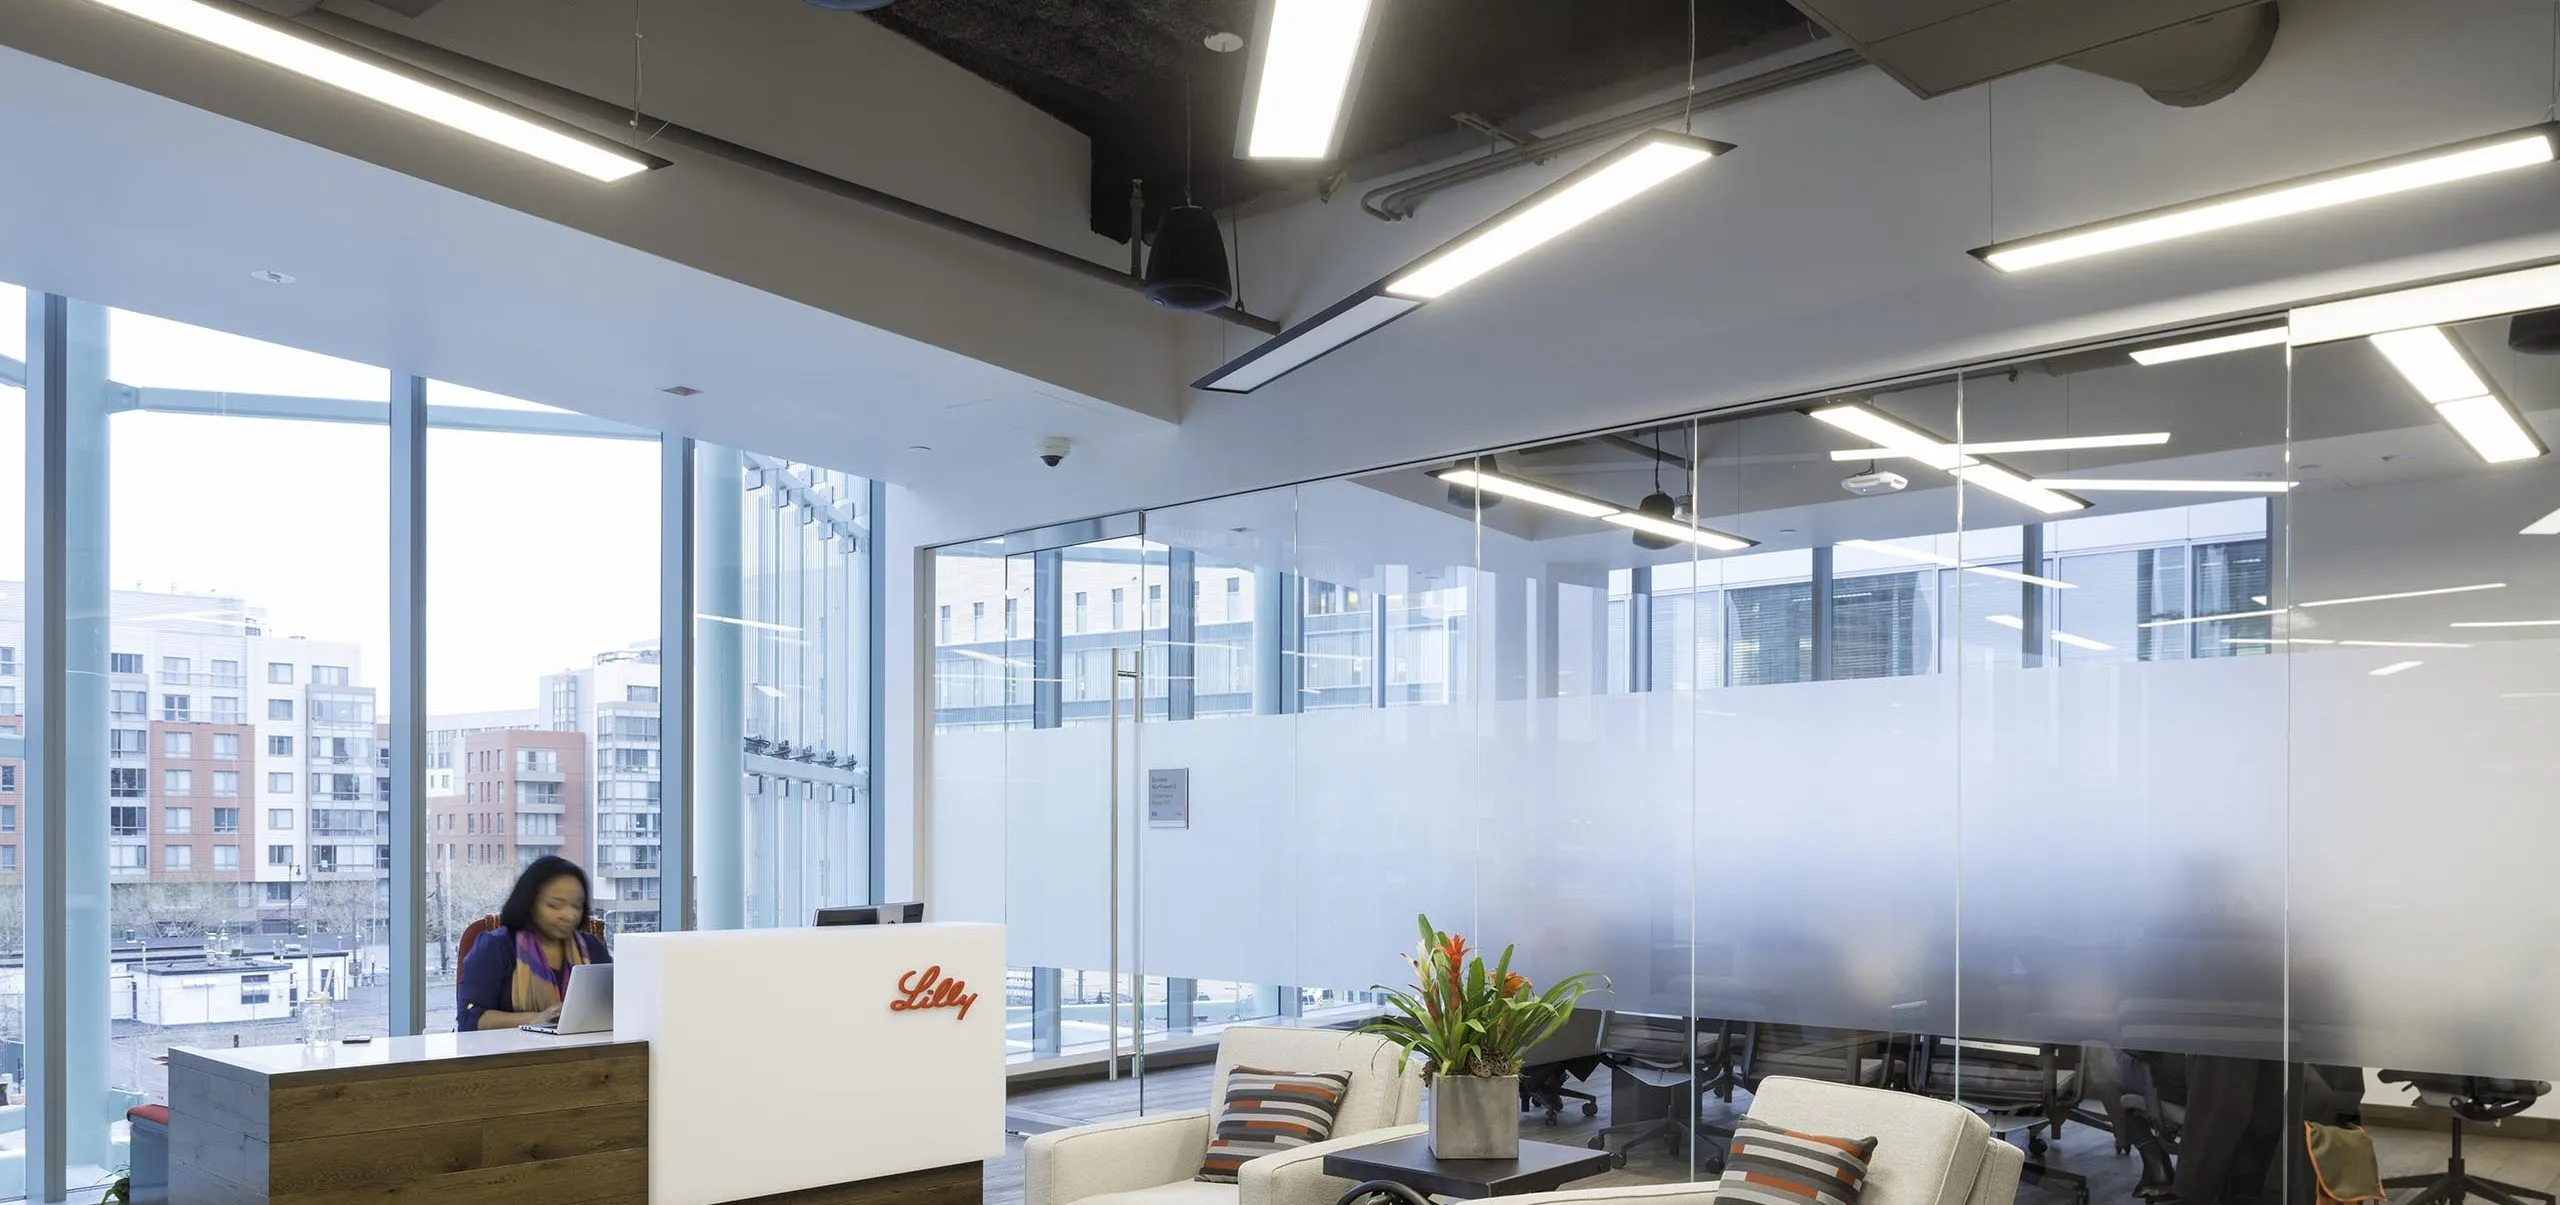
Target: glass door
[(1067, 625)]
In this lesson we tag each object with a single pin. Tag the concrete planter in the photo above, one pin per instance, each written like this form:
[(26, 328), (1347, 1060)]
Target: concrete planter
[(1475, 1117)]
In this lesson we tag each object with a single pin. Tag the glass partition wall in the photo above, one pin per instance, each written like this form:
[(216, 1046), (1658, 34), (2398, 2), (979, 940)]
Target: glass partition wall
[(2144, 749), (210, 647)]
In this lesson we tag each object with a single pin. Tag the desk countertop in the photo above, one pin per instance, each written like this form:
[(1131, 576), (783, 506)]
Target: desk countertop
[(243, 1062)]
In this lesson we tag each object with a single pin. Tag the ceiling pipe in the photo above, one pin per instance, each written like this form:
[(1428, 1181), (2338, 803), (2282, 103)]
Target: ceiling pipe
[(2196, 63), (1397, 201), (501, 80)]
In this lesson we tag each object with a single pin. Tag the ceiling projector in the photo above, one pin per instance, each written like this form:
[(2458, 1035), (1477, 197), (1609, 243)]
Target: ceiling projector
[(1874, 481)]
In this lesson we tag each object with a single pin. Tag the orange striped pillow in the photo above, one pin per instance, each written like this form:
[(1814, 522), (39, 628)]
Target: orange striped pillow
[(1766, 1165), (1271, 1111)]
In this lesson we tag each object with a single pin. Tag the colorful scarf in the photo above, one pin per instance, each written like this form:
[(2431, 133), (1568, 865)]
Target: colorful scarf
[(539, 985)]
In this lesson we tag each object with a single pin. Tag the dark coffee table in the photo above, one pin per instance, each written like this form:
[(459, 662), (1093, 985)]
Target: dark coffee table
[(1541, 1166)]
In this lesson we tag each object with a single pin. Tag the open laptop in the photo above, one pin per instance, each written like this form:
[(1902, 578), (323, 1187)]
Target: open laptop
[(588, 1007)]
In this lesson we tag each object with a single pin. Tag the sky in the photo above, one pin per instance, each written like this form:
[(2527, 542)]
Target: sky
[(542, 551)]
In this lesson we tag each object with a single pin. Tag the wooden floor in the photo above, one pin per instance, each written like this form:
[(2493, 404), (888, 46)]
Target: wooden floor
[(2083, 1149)]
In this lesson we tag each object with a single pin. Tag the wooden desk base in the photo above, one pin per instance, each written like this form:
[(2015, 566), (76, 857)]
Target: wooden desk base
[(958, 1184), (552, 1125)]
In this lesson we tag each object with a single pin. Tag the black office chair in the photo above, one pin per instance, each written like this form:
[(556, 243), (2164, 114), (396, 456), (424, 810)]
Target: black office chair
[(2470, 1098), (2020, 1090), (1660, 1068), (1570, 1053)]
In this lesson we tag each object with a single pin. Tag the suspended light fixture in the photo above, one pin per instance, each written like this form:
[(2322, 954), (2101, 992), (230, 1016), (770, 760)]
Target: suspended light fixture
[(1648, 161), (244, 30), (2363, 182), (1468, 474)]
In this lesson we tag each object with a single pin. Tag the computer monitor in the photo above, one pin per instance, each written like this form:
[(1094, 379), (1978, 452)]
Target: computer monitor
[(873, 914)]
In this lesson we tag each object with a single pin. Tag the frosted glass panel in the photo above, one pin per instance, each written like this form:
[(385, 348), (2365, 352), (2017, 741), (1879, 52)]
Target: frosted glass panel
[(2423, 760), (1825, 791), (1218, 892), (1389, 799), (2123, 805)]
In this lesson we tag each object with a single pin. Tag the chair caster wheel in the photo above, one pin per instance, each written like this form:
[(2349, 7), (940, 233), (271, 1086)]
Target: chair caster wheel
[(1549, 1122), (1590, 1109), (1598, 1144), (1618, 1160), (1715, 1167)]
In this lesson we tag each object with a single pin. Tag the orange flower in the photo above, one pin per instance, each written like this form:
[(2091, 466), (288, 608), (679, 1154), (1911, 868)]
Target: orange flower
[(1515, 984)]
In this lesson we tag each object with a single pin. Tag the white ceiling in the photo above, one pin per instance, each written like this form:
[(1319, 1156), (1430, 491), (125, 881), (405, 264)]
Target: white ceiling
[(1829, 249)]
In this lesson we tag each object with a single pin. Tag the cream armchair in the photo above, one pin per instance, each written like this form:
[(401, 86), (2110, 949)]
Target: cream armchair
[(1151, 1160), (1928, 1152)]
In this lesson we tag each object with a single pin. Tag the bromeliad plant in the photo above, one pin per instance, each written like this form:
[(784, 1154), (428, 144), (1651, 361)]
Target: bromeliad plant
[(1464, 1018)]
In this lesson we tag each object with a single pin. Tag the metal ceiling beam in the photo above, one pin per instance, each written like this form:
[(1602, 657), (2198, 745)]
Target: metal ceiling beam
[(533, 90)]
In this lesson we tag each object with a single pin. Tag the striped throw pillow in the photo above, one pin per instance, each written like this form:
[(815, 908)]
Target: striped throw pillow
[(1269, 1111), (1766, 1165)]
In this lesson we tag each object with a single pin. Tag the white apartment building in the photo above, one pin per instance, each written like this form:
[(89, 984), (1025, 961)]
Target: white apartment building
[(614, 701)]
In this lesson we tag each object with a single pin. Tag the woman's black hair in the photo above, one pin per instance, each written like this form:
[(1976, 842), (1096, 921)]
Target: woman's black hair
[(517, 915)]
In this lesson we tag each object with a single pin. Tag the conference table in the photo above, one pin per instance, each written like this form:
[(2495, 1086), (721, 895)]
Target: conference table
[(796, 1066)]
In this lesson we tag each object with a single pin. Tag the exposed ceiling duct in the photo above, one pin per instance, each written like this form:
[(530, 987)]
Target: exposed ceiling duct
[(2181, 52)]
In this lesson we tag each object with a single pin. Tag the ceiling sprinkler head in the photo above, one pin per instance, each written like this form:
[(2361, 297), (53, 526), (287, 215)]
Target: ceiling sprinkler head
[(1224, 42)]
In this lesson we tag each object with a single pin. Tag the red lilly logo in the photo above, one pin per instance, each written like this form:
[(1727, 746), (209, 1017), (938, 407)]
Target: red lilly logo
[(920, 990)]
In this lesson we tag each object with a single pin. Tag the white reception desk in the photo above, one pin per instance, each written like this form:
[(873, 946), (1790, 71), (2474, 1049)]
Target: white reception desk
[(798, 1061)]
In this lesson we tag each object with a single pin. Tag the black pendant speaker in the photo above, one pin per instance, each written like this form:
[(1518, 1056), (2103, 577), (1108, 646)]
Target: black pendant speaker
[(1660, 506), (1187, 269)]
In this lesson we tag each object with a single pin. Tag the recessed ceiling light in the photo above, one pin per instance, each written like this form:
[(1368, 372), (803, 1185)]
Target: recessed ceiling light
[(272, 277), (2213, 345), (2547, 525), (2082, 642), (1306, 60), (340, 65), (2363, 182), (2400, 644), (680, 390)]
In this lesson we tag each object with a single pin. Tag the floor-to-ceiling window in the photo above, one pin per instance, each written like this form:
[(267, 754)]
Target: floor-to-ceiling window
[(542, 612), (245, 787), (226, 513)]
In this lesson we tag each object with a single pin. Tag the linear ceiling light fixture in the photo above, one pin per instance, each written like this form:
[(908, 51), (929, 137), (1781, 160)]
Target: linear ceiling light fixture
[(2436, 365), (1591, 508), (1908, 553), (2427, 305), (1873, 425), (2214, 345), (2164, 485), (2003, 447), (1594, 189), (1305, 64), (271, 40), (2363, 182), (2547, 525), (2396, 667), (2510, 623), (1598, 187)]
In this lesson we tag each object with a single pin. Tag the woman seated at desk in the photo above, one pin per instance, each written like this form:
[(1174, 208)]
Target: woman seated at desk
[(516, 973)]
